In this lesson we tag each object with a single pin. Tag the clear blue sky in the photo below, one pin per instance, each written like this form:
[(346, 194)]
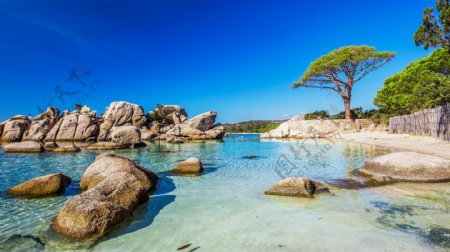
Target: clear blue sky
[(238, 58)]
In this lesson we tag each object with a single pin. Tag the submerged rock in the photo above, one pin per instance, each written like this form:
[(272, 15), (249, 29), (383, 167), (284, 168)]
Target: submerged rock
[(407, 166), (191, 165), (41, 186), (120, 114), (42, 124), (297, 186), (14, 128), (114, 186), (174, 140), (23, 147), (18, 242)]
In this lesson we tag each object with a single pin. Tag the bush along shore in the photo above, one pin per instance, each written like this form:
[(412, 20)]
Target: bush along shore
[(122, 125)]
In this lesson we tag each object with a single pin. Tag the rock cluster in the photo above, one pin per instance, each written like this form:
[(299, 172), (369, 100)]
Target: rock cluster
[(123, 125), (113, 187), (297, 127)]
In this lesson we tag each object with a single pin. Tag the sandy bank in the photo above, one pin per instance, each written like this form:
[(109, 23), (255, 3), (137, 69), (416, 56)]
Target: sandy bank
[(422, 144)]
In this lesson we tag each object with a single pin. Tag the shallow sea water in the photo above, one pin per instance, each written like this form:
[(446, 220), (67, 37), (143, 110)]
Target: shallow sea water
[(225, 209)]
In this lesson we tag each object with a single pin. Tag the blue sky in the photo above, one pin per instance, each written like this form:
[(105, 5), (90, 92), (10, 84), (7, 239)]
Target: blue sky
[(238, 58)]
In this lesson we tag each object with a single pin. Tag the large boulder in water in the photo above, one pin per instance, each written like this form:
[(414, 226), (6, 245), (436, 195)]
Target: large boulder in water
[(203, 121), (23, 147), (14, 128), (74, 126), (408, 166), (41, 186), (42, 124), (114, 186), (120, 114), (297, 186), (127, 135)]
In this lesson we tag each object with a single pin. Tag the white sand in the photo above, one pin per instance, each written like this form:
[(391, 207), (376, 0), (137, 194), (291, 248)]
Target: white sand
[(421, 144)]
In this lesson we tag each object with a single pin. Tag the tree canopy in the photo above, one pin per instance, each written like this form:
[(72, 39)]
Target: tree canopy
[(435, 31), (422, 85), (340, 69)]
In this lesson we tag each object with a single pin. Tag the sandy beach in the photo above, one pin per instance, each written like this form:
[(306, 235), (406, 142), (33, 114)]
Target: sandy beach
[(421, 144)]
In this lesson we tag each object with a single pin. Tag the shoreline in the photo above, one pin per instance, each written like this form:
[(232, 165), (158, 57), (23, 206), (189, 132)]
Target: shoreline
[(421, 144)]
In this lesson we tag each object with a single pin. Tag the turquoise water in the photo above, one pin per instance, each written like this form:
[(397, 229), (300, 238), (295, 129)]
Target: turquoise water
[(225, 209)]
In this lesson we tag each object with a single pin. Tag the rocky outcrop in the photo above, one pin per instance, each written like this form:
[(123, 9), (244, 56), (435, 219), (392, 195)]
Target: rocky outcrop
[(407, 166), (297, 186), (42, 124), (125, 135), (23, 147), (201, 127), (120, 114), (203, 121), (297, 127), (113, 187), (168, 114), (14, 128), (41, 186), (191, 165), (75, 126)]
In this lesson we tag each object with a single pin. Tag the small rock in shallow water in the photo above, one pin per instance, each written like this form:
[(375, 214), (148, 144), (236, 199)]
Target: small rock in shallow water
[(67, 148), (191, 165), (297, 186), (41, 186)]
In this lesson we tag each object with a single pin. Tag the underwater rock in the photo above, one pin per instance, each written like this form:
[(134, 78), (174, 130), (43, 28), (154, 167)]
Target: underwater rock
[(408, 166), (297, 186), (18, 242), (114, 186), (23, 147), (191, 165), (41, 186)]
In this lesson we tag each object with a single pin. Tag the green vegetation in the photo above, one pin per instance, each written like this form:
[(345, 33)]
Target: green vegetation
[(435, 31), (422, 85), (319, 114), (375, 115), (340, 69), (257, 126)]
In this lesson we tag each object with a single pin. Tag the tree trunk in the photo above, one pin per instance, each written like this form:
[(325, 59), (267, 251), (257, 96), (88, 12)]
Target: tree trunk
[(348, 114)]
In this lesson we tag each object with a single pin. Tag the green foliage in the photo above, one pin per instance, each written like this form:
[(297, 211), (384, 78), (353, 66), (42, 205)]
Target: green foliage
[(340, 69), (348, 61), (258, 126), (376, 115), (422, 85), (320, 114), (435, 31)]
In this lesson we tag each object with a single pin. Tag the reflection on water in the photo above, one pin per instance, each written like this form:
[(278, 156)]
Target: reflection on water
[(225, 209)]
